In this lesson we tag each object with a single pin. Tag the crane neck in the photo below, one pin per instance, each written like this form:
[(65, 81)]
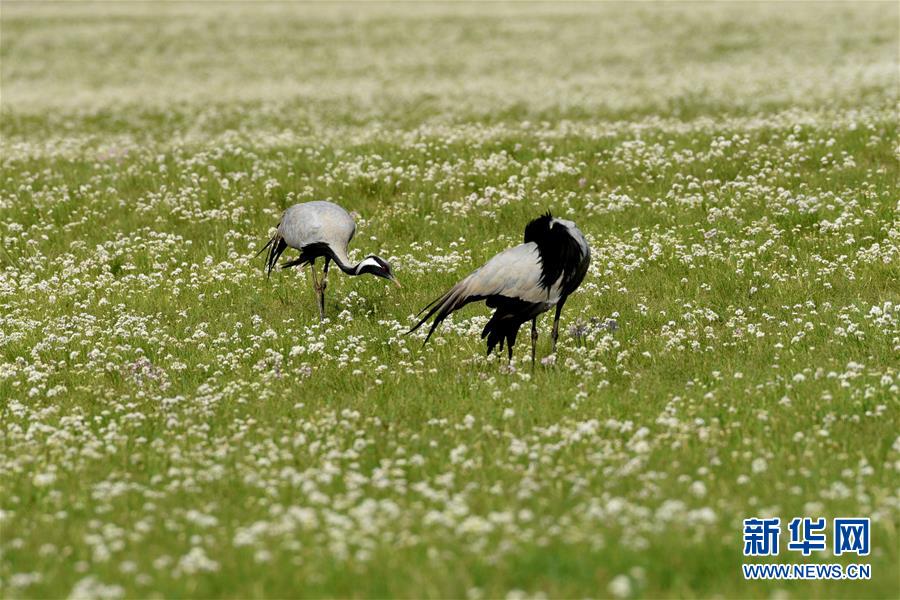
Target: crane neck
[(343, 263)]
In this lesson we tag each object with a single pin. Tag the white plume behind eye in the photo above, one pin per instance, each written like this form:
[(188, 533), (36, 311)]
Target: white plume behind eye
[(369, 261)]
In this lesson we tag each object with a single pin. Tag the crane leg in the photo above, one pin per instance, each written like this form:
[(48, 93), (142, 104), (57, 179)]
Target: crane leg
[(312, 271), (320, 298), (555, 335), (323, 285), (534, 337), (509, 348)]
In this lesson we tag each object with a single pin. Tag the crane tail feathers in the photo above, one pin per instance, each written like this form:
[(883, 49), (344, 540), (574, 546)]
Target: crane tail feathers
[(441, 308), (266, 247), (276, 247), (430, 304), (434, 307)]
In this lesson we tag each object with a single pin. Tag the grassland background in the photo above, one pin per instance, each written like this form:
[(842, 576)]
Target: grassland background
[(173, 424)]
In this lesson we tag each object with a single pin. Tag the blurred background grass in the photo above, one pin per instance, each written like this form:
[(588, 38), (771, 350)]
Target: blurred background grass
[(407, 63)]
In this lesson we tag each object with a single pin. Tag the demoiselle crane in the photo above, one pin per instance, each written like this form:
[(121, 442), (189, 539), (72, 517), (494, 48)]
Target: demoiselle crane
[(321, 229), (521, 283)]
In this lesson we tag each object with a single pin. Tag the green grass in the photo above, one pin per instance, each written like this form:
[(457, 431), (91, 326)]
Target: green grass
[(176, 425)]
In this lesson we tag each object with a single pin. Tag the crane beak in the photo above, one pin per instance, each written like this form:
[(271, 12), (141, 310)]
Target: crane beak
[(397, 283)]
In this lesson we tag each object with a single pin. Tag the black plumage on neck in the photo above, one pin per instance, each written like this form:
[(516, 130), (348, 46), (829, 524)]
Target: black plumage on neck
[(371, 265), (559, 251), (310, 252)]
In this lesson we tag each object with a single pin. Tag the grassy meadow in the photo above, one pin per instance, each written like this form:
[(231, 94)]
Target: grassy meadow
[(173, 424)]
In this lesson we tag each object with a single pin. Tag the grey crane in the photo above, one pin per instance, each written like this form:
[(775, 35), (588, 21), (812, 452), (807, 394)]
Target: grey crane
[(321, 229), (521, 283)]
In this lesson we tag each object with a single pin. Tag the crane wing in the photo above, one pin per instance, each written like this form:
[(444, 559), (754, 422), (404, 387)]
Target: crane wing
[(316, 223), (514, 274)]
